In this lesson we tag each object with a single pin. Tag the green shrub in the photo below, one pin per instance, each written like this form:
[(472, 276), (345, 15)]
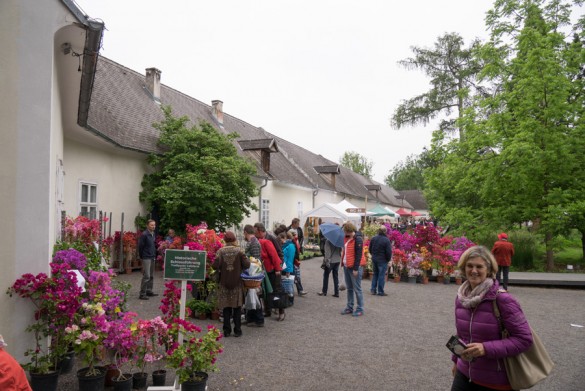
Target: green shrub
[(525, 249)]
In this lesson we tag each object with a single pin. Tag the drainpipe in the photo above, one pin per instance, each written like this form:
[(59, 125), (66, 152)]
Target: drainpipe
[(315, 192), (260, 199)]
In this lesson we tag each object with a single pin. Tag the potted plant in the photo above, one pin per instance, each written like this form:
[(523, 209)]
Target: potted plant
[(87, 334), (150, 336), (200, 308), (123, 343), (55, 300), (196, 356)]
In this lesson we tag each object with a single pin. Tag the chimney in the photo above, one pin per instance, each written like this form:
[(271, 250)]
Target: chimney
[(217, 111), (153, 82)]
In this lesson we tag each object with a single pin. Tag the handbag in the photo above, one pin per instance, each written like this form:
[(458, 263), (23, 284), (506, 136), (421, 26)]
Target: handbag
[(279, 300), (529, 367)]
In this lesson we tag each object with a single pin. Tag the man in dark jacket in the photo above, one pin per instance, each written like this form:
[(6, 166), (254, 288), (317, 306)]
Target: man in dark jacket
[(295, 224), (381, 251), (147, 253)]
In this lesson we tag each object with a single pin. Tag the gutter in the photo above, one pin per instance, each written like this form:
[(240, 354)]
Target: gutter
[(93, 41), (315, 192)]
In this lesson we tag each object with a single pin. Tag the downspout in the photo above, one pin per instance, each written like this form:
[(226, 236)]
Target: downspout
[(260, 199), (315, 192)]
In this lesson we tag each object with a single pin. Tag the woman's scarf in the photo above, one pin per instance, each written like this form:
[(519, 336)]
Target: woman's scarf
[(470, 298)]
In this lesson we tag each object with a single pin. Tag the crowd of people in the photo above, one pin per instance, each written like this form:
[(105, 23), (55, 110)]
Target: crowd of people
[(477, 366)]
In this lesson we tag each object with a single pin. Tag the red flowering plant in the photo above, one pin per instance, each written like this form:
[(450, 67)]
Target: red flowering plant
[(164, 245), (170, 307), (399, 261), (197, 354), (121, 341), (425, 236), (56, 300), (150, 335)]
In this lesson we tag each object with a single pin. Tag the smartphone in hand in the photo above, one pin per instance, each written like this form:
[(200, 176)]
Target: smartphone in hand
[(456, 345)]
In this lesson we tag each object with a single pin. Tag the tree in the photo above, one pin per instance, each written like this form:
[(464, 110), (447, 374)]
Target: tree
[(409, 174), (198, 177), (452, 69), (522, 156), (357, 163)]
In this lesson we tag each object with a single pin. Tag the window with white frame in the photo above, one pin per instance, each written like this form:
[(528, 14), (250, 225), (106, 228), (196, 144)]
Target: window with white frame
[(299, 209), (88, 200), (265, 213)]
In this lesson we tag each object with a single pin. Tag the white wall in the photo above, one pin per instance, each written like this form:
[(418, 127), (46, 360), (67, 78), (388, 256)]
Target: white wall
[(117, 173), (28, 130)]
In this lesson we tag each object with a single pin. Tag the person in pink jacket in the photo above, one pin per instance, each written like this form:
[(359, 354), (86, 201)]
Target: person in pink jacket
[(481, 366)]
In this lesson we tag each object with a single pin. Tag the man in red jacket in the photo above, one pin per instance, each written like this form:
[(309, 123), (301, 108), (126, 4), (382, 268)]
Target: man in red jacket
[(503, 252)]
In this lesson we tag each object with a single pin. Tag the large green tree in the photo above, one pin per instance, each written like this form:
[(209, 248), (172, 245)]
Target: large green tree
[(452, 70), (198, 177), (357, 163), (409, 174), (522, 156)]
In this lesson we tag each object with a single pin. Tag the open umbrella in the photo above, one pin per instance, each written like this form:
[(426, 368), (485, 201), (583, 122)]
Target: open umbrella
[(333, 233)]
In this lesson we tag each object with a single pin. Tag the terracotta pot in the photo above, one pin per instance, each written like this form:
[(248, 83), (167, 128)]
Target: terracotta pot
[(202, 316), (425, 280), (215, 315), (440, 279), (459, 281), (397, 278)]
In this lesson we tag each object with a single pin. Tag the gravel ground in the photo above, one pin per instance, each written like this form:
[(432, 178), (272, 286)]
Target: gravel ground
[(399, 343)]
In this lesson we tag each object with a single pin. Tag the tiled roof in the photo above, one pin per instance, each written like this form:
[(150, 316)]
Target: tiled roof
[(327, 169), (415, 198), (123, 111)]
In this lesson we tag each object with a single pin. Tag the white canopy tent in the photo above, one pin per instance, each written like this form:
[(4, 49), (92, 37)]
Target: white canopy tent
[(334, 213)]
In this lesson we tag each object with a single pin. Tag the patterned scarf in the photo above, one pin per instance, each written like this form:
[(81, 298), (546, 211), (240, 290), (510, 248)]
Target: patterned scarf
[(470, 298)]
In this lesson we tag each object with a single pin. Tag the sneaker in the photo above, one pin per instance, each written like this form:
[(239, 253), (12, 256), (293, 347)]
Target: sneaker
[(237, 335), (358, 313), (382, 294), (142, 297), (303, 293), (346, 311), (373, 292), (151, 294), (322, 294), (336, 295)]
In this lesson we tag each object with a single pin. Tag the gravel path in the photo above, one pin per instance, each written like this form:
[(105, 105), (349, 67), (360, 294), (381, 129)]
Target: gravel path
[(399, 343)]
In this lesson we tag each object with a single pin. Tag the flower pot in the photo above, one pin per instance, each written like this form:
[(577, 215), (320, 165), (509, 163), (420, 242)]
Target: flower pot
[(215, 315), (111, 373), (65, 365), (195, 385), (159, 377), (412, 280), (425, 280), (202, 315), (94, 382), (124, 384), (44, 382), (447, 280), (139, 380), (458, 280), (397, 278), (440, 279)]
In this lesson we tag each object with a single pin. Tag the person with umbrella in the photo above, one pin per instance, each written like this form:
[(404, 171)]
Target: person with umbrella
[(331, 261), (353, 261)]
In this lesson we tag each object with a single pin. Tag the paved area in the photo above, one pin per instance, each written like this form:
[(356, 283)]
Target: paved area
[(399, 344)]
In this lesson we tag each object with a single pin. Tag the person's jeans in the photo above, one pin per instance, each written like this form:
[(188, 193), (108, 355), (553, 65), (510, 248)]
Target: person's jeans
[(333, 269), (298, 282), (505, 269), (462, 383), (147, 276), (354, 284), (228, 313), (379, 278)]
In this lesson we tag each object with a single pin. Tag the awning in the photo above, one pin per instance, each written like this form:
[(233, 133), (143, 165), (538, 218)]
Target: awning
[(403, 212)]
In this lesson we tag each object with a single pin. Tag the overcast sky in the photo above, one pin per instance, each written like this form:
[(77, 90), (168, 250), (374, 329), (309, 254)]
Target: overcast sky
[(321, 74)]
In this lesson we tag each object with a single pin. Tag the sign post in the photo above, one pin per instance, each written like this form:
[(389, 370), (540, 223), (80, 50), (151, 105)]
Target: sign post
[(184, 265)]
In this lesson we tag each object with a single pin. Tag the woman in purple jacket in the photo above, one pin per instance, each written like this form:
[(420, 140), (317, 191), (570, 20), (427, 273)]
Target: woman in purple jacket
[(481, 365)]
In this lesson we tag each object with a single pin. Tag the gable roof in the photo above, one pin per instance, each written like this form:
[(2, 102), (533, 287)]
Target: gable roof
[(415, 198), (123, 111)]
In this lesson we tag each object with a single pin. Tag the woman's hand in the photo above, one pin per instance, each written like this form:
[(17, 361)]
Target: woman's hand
[(454, 369), (473, 350)]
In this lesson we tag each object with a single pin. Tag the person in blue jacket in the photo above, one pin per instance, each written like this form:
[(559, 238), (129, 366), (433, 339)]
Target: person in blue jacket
[(381, 251), (288, 251)]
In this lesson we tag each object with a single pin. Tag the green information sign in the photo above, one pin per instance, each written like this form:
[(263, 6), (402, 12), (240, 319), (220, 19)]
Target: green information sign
[(185, 265)]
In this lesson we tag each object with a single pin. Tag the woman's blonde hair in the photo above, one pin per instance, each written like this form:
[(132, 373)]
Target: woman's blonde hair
[(479, 252), (349, 227)]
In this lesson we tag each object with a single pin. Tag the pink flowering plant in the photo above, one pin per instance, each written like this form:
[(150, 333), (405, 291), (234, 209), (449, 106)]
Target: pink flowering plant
[(100, 290), (73, 258), (121, 341), (56, 300), (150, 335), (87, 334), (198, 352)]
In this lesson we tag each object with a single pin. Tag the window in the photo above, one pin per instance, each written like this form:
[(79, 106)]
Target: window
[(265, 213), (88, 200), (300, 209)]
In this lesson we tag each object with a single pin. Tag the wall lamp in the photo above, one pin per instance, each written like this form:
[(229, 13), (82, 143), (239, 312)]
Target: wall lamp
[(67, 49)]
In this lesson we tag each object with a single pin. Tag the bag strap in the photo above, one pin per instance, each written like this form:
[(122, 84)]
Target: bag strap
[(498, 315)]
